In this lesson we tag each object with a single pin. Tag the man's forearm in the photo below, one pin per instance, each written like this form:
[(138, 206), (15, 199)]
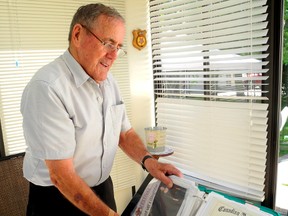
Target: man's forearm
[(83, 197), (77, 191), (133, 146)]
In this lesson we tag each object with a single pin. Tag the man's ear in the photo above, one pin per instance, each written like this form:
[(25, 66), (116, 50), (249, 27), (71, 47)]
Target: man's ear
[(76, 34)]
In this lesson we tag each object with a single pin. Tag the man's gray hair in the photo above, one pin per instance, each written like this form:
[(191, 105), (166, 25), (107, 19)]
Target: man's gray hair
[(88, 14)]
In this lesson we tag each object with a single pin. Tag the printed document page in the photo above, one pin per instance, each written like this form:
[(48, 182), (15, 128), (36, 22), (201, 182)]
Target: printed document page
[(183, 198)]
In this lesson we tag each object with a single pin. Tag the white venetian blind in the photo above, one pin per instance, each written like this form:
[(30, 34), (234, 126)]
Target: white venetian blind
[(209, 66), (33, 33)]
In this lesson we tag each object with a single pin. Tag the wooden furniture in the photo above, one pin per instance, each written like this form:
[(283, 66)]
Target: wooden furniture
[(13, 187)]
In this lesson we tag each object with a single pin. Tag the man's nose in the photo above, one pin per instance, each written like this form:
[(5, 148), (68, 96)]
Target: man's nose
[(113, 54)]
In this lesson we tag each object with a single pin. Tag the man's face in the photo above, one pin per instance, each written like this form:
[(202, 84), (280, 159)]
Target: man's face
[(91, 54)]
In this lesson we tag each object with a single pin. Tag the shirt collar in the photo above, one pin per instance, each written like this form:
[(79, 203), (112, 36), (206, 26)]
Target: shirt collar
[(79, 74)]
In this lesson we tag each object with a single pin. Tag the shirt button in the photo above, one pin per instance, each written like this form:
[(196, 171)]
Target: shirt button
[(99, 99)]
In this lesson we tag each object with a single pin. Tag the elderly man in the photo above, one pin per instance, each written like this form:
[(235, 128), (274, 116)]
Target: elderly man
[(74, 120)]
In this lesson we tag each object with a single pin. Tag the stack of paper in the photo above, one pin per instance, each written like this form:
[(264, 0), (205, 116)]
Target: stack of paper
[(185, 199)]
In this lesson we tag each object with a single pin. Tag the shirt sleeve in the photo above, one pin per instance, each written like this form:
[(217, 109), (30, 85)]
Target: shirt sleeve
[(48, 130), (126, 125)]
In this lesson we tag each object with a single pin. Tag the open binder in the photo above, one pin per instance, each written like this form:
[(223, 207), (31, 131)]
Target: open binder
[(186, 198)]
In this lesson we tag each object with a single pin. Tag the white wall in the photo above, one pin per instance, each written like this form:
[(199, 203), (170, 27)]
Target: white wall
[(140, 68)]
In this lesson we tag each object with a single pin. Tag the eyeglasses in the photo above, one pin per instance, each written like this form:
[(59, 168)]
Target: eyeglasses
[(110, 47)]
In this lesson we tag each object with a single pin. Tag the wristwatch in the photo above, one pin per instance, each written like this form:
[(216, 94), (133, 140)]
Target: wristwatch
[(143, 161)]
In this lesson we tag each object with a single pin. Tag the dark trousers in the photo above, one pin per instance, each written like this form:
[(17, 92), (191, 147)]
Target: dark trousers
[(49, 201)]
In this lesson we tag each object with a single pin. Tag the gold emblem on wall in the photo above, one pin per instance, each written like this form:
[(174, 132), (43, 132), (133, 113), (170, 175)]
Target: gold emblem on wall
[(139, 39)]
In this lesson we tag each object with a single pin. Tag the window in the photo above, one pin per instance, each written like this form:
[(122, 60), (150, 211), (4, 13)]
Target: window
[(32, 35), (211, 73)]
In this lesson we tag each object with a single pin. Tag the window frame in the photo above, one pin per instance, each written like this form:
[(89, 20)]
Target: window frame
[(275, 18), (275, 23), (2, 150)]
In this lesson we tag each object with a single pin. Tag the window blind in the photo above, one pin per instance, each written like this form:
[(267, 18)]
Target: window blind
[(32, 35), (209, 66)]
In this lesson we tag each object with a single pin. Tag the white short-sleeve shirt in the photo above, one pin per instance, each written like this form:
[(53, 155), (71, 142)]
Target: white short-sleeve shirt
[(66, 114)]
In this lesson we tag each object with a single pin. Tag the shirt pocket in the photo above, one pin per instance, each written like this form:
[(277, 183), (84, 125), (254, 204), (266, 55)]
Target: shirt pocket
[(117, 116)]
